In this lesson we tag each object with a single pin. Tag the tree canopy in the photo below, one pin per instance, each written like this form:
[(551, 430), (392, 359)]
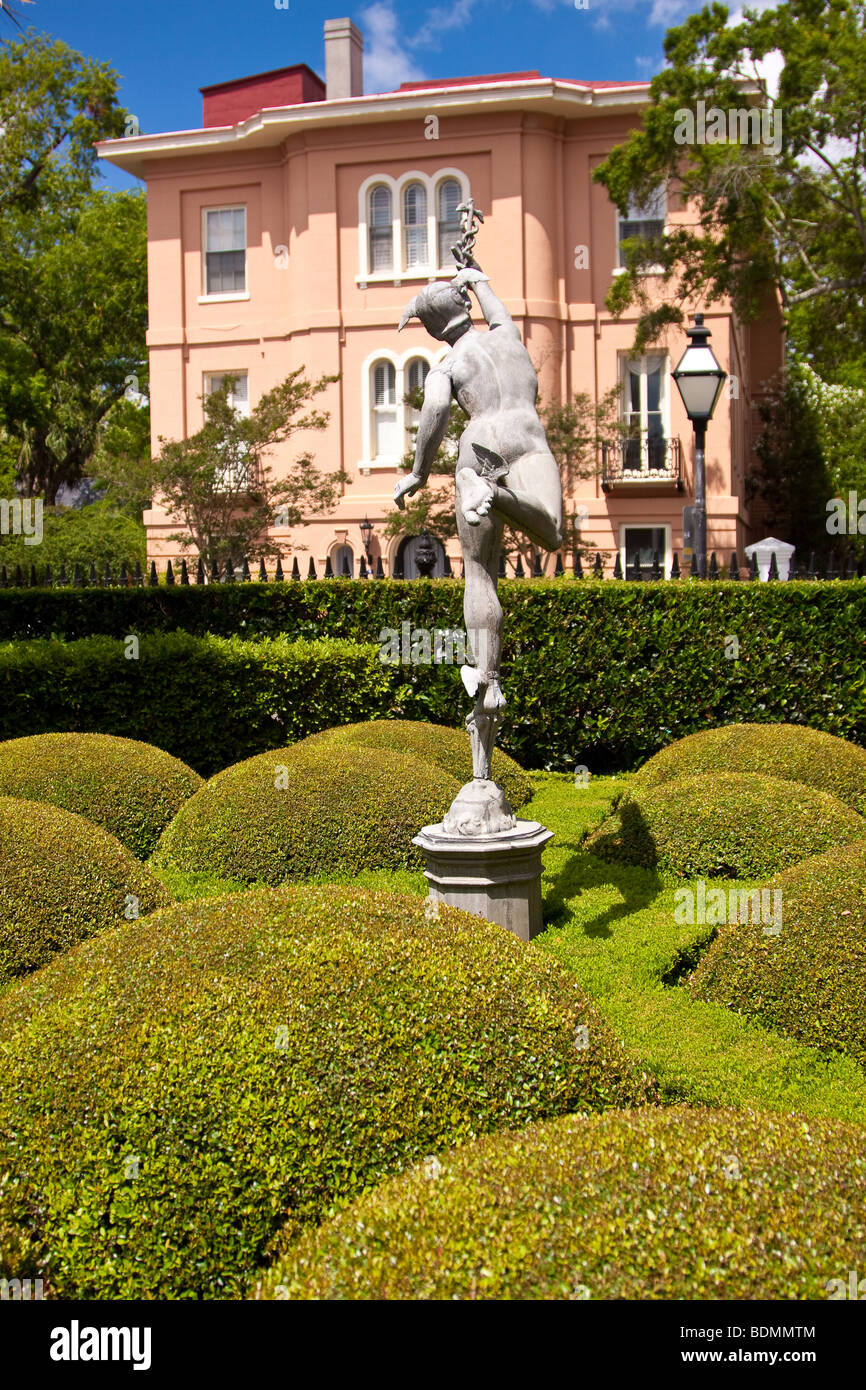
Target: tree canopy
[(787, 215), (73, 292)]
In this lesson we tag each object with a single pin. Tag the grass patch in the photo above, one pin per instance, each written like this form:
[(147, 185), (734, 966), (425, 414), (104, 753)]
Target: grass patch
[(613, 926)]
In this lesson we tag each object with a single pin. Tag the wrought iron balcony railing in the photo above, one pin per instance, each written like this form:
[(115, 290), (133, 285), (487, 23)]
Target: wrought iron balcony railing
[(642, 460)]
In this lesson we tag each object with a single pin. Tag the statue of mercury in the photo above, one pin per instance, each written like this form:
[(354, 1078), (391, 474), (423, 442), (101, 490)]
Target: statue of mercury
[(505, 474)]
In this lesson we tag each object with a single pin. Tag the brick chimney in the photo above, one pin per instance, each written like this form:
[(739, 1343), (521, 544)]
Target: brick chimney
[(344, 59)]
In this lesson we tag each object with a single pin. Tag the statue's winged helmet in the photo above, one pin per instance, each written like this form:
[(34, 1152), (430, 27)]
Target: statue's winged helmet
[(440, 306)]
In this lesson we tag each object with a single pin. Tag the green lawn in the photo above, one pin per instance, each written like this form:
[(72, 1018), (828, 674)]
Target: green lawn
[(613, 927)]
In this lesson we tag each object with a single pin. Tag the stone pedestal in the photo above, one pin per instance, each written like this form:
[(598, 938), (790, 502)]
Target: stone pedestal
[(497, 877)]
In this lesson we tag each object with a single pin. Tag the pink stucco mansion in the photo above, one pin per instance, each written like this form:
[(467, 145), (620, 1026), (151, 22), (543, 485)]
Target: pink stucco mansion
[(294, 226)]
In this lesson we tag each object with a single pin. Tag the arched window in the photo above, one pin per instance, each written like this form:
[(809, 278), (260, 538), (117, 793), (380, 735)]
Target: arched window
[(448, 220), (386, 439), (414, 225), (381, 229)]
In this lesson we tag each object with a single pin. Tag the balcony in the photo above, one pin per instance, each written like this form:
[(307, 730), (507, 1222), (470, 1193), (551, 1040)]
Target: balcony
[(641, 464)]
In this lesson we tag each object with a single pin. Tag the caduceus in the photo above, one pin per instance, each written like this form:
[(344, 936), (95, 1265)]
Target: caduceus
[(470, 218), (505, 474)]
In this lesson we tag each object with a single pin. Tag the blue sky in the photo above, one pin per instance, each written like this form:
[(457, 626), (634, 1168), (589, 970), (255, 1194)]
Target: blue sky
[(165, 50)]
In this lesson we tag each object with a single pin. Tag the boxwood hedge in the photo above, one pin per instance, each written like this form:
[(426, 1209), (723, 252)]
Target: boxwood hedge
[(209, 701), (724, 825), (432, 743), (790, 751), (181, 1097), (602, 674), (63, 879), (312, 809), (131, 789), (650, 1204), (809, 980)]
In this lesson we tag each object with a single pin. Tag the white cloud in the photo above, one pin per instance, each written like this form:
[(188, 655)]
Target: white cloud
[(441, 20), (387, 61)]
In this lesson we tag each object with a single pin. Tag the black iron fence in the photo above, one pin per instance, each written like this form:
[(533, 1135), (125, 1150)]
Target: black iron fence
[(510, 567)]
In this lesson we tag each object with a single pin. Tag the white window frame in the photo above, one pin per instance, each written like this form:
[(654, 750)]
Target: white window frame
[(397, 275), (662, 195), (400, 363), (667, 558), (628, 360), (232, 295)]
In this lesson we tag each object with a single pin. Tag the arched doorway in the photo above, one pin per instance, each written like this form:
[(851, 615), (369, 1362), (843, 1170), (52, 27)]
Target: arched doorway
[(407, 563), (342, 555)]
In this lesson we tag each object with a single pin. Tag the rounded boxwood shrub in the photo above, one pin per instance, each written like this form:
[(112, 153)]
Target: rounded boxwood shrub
[(131, 789), (809, 979), (724, 825), (63, 879), (790, 751), (432, 743), (174, 1095), (307, 810), (644, 1204)]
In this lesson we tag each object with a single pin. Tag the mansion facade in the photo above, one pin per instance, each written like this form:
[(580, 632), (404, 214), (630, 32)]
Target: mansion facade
[(293, 227)]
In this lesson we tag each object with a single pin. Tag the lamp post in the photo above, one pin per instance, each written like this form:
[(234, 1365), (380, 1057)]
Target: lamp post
[(699, 381), (366, 529)]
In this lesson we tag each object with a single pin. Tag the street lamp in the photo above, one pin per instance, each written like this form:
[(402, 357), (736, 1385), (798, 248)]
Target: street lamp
[(366, 529), (699, 381)]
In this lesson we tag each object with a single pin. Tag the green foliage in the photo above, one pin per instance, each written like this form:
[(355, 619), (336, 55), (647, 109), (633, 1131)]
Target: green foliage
[(651, 1204), (618, 931), (74, 315), (73, 306), (207, 700), (790, 751), (809, 980), (793, 479), (96, 534), (121, 464), (602, 674), (63, 880), (219, 484), (431, 743), (787, 220), (264, 1058), (131, 789), (724, 825), (314, 808)]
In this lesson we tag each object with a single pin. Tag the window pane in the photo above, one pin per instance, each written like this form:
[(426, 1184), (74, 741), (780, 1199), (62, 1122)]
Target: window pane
[(387, 441), (226, 272), (415, 225), (380, 207), (417, 373), (449, 222), (415, 205), (384, 384), (644, 541), (381, 248), (226, 229), (653, 389), (416, 246)]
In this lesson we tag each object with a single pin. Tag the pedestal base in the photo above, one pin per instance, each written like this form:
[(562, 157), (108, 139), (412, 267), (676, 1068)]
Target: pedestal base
[(497, 877)]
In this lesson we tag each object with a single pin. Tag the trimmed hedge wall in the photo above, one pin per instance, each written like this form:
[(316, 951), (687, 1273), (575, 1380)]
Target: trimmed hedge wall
[(210, 701), (596, 672)]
